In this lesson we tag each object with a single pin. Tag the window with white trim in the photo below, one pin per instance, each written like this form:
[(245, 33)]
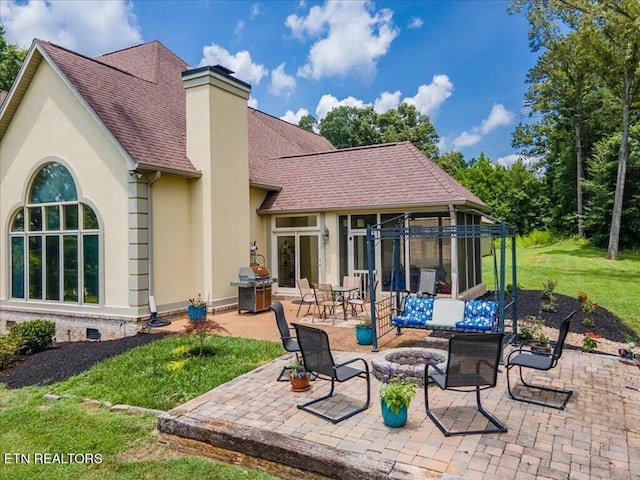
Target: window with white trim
[(54, 242)]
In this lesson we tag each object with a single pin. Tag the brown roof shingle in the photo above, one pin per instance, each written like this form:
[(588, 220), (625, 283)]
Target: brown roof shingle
[(388, 175), (139, 96)]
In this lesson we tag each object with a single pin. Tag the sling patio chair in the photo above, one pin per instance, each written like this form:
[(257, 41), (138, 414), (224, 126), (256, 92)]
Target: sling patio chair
[(325, 300), (307, 297), (472, 365), (523, 357), (361, 301), (317, 358), (427, 286), (289, 342)]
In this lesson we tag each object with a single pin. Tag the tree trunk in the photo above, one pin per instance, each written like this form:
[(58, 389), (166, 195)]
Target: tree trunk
[(580, 176), (623, 155)]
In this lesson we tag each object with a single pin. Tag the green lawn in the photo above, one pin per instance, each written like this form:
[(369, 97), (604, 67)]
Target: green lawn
[(158, 375), (615, 285)]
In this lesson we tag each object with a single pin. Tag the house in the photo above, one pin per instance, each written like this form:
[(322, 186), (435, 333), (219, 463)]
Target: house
[(132, 175)]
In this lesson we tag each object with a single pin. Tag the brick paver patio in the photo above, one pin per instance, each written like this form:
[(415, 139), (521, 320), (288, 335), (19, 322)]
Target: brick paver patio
[(596, 437)]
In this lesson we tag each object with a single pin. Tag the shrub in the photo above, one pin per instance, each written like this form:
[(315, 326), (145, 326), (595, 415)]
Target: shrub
[(9, 346), (590, 342), (33, 336)]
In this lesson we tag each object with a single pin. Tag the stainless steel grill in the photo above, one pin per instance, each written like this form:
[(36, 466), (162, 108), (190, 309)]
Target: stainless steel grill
[(254, 288)]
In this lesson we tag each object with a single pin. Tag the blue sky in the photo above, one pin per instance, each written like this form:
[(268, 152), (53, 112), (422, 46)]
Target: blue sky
[(463, 63)]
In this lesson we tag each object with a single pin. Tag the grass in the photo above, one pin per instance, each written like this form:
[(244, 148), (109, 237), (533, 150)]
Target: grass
[(614, 285), (146, 377), (165, 373)]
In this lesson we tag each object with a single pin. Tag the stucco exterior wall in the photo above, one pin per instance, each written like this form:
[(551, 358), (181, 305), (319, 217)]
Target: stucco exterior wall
[(52, 125), (217, 146), (259, 224), (172, 282)]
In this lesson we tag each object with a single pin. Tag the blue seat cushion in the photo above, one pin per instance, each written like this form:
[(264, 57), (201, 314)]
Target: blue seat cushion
[(417, 312), (478, 315)]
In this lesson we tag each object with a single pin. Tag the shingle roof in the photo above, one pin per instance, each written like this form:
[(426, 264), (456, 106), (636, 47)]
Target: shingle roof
[(145, 113), (139, 96), (389, 175)]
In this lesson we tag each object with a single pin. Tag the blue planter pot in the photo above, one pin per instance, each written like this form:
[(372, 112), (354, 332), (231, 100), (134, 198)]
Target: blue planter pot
[(392, 419), (364, 335), (197, 314)]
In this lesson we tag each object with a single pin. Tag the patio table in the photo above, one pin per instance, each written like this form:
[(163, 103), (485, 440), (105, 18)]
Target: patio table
[(343, 291)]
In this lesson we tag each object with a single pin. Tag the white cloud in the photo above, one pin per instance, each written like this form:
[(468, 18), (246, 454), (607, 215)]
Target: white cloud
[(240, 63), (353, 38), (415, 22), (509, 160), (386, 101), (329, 102), (90, 27), (294, 118), (429, 97), (466, 139), (252, 102), (499, 117), (239, 28), (281, 83), (255, 11)]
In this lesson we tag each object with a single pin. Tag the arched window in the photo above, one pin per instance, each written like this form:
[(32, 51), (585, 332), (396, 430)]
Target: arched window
[(55, 242)]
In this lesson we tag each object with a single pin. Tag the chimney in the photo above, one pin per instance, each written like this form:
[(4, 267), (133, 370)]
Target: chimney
[(217, 145)]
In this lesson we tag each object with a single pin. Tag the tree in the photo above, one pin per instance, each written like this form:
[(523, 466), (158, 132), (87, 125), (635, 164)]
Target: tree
[(11, 57), (353, 127), (609, 32), (308, 122), (350, 127)]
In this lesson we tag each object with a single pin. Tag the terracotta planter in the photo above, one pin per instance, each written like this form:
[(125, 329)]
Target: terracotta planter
[(300, 384)]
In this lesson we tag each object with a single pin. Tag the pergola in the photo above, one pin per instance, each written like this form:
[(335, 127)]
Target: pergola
[(461, 238)]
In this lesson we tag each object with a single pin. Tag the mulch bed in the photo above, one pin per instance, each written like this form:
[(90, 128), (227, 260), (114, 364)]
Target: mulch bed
[(64, 360)]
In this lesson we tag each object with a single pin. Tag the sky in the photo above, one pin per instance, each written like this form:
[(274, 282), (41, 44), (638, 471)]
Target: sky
[(461, 62)]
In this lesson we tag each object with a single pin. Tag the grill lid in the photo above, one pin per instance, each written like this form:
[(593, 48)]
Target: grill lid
[(260, 271)]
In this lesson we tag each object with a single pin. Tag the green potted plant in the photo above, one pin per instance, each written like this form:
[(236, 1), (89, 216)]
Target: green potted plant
[(364, 331), (299, 377), (395, 398), (197, 309), (533, 333)]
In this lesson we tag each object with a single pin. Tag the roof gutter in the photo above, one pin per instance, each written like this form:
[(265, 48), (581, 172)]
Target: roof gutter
[(148, 168)]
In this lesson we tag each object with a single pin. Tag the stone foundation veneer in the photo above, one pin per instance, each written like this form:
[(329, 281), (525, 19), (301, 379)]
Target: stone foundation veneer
[(409, 362)]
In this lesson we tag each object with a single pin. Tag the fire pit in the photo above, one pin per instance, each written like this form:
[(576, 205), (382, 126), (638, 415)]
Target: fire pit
[(408, 362)]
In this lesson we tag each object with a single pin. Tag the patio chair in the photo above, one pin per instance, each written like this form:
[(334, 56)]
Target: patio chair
[(307, 297), (523, 357), (289, 342), (427, 284), (472, 365), (325, 300), (317, 358), (361, 301)]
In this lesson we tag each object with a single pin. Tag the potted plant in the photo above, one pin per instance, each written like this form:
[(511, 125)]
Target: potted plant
[(533, 333), (364, 331), (197, 309), (395, 398), (299, 377)]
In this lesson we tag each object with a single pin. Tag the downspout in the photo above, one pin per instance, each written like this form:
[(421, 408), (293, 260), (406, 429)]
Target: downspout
[(155, 178), (454, 252)]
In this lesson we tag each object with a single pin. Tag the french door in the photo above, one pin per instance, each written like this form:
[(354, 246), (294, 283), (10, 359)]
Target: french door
[(298, 256)]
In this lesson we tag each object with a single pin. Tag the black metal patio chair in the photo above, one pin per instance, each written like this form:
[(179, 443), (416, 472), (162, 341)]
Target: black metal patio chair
[(317, 358), (289, 342), (523, 357), (472, 365)]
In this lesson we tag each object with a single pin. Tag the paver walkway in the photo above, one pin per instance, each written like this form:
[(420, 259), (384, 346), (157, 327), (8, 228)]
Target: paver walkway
[(596, 437)]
